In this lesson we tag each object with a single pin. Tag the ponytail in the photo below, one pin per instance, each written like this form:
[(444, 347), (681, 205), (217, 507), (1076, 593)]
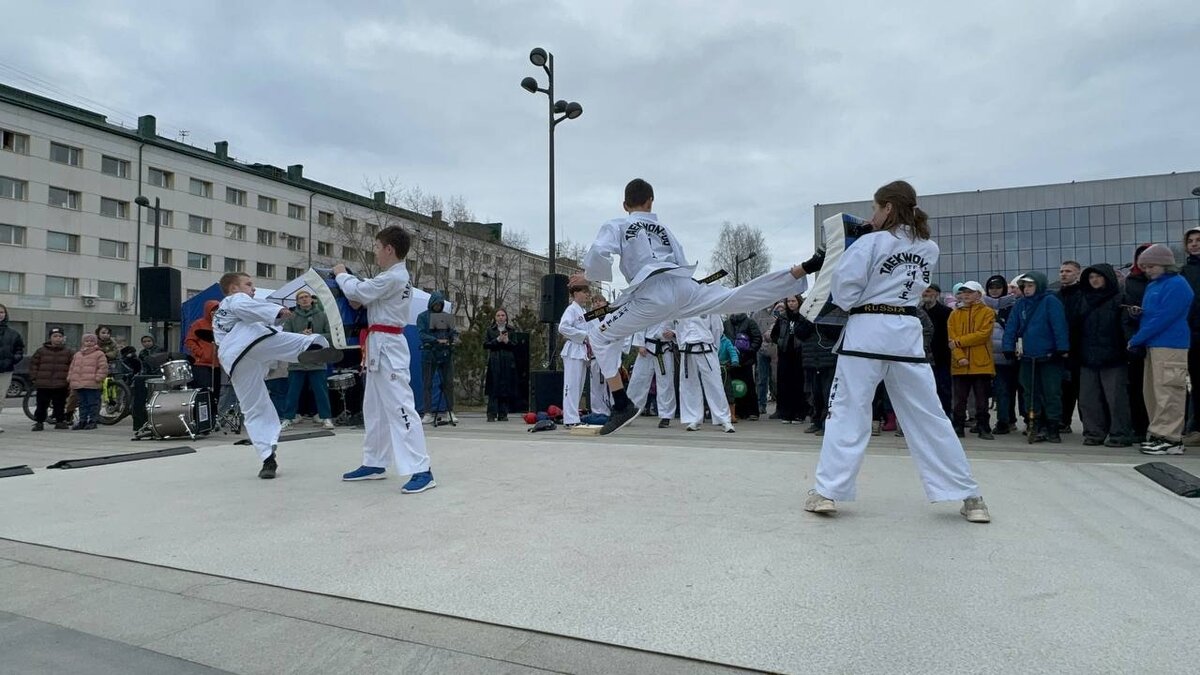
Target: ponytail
[(905, 211)]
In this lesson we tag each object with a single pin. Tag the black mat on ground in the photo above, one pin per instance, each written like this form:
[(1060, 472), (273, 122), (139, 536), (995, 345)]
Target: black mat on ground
[(293, 437), (116, 459), (1172, 478), (22, 470)]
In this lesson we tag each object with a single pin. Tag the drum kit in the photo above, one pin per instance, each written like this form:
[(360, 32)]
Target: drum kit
[(172, 409), (341, 382)]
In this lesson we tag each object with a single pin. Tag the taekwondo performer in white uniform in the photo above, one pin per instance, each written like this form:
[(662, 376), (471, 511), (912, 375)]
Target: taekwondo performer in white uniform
[(598, 397), (393, 428), (660, 287), (655, 364), (879, 281), (573, 327), (249, 344), (700, 373)]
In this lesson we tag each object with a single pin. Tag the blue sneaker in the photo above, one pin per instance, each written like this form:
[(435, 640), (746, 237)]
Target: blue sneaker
[(419, 482), (366, 473)]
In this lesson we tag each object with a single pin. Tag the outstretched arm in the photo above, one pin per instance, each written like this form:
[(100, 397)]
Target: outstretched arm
[(597, 262)]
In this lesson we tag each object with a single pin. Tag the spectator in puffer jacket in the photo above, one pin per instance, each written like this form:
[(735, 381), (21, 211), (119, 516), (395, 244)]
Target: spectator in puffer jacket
[(12, 350), (1039, 322), (206, 374), (1165, 336), (89, 368), (1103, 384), (970, 333), (49, 369), (820, 362)]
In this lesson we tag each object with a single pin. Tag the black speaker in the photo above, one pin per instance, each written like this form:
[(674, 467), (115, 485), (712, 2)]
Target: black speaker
[(160, 295), (554, 297), (546, 389)]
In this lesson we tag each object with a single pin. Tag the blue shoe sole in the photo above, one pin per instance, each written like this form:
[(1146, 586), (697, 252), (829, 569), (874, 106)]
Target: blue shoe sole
[(373, 476), (428, 486)]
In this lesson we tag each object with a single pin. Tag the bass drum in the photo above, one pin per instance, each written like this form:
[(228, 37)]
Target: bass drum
[(181, 413)]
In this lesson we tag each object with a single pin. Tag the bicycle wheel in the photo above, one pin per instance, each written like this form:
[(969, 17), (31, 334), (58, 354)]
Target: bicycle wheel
[(116, 404), (30, 402)]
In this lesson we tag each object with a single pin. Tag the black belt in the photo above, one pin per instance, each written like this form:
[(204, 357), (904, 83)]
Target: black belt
[(660, 346), (894, 310), (694, 348)]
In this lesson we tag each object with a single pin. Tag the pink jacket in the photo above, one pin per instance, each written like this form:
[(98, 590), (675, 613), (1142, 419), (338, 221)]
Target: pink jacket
[(89, 367)]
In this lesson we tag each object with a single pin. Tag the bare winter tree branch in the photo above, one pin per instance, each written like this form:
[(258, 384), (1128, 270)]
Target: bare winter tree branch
[(738, 242)]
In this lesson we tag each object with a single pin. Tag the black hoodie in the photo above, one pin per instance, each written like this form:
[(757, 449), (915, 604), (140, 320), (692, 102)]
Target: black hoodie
[(1191, 272), (1104, 332)]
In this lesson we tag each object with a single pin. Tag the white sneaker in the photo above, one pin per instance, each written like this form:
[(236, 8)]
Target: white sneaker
[(285, 425), (728, 427), (327, 423), (427, 419), (692, 427), (975, 511), (818, 503)]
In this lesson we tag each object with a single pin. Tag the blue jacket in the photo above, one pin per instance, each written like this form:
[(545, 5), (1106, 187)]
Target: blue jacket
[(1040, 321), (1165, 309), (727, 354)]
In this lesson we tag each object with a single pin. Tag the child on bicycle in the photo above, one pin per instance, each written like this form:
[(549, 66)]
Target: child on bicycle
[(89, 369)]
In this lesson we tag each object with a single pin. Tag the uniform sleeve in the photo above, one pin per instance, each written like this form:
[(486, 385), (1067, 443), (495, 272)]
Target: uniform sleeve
[(248, 309), (639, 339), (852, 274), (366, 291), (597, 262), (568, 329)]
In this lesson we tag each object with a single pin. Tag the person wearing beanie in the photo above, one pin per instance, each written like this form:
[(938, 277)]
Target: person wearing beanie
[(1191, 272), (1164, 335), (1135, 290)]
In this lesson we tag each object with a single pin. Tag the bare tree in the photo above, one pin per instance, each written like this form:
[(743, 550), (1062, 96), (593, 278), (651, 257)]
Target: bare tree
[(516, 239), (570, 250), (740, 242)]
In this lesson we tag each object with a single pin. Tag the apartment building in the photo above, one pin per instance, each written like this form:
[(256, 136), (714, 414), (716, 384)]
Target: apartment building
[(72, 235)]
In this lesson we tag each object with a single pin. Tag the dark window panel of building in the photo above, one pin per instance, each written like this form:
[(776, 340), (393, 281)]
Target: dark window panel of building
[(1127, 214), (956, 226), (1127, 233), (1112, 234), (1053, 238), (1024, 221), (1096, 216), (1175, 210), (1158, 232), (1039, 220), (971, 226), (1052, 219), (1112, 214), (1037, 239), (1039, 260), (1141, 212), (1158, 212), (1191, 210), (1143, 233), (1081, 217)]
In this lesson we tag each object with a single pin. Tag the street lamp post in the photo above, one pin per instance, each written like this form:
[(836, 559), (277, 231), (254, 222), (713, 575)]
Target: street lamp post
[(495, 288), (143, 202), (737, 268), (568, 111)]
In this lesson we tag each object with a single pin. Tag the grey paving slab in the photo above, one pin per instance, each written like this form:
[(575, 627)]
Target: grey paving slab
[(26, 587), (272, 644), (150, 577), (695, 551), (29, 647)]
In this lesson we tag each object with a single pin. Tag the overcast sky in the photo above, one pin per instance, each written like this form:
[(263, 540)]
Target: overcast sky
[(748, 112)]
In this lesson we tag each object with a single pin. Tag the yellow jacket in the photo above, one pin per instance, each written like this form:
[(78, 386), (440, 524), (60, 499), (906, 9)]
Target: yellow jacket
[(972, 327)]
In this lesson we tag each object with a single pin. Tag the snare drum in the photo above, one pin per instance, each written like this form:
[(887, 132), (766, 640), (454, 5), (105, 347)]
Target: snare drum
[(157, 384), (177, 373), (180, 413), (341, 381)]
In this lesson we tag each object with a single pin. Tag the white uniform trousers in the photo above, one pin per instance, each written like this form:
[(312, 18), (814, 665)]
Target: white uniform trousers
[(249, 380), (393, 433), (574, 371), (699, 379), (666, 296), (930, 437), (598, 395), (645, 371)]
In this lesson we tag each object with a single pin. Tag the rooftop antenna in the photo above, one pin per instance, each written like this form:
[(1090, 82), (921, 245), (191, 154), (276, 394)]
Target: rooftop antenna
[(183, 134)]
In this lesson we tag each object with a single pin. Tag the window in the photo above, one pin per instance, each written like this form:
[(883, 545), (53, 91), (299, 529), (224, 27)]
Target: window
[(265, 271), (266, 237), (64, 199), (12, 282), (235, 231), (164, 256), (114, 167), (164, 217), (349, 253), (114, 208), (323, 248), (160, 178), (199, 224), (444, 248), (350, 225), (372, 229), (235, 196), (61, 241), (487, 258), (266, 204), (65, 154), (200, 188), (111, 290), (12, 235), (62, 286), (296, 211), (235, 265), (14, 142), (197, 261), (325, 218), (114, 249), (294, 272), (295, 243), (368, 257), (11, 188), (458, 251), (458, 274)]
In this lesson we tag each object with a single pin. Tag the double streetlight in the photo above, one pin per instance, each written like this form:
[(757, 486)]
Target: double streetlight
[(560, 110), (737, 267)]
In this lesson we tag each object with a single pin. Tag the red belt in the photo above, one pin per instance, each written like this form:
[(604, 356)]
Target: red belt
[(376, 328)]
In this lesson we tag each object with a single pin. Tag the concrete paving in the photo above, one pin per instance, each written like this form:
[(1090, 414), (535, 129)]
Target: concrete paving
[(698, 550)]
